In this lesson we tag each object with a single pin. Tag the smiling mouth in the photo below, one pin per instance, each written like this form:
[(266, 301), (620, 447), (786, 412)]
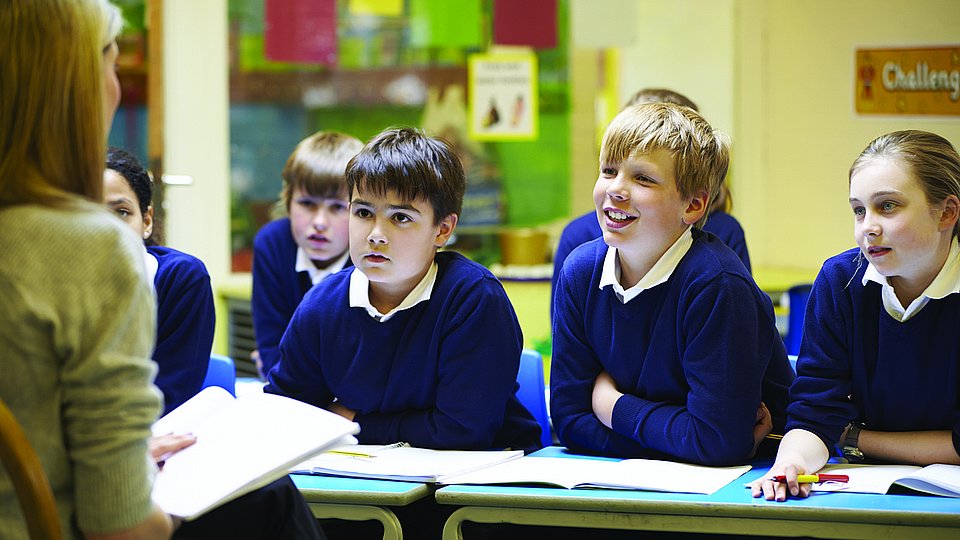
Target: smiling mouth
[(617, 216), (877, 250)]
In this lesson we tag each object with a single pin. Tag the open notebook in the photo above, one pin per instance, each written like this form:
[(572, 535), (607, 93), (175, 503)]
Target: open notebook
[(242, 444), (401, 461), (937, 479), (639, 474)]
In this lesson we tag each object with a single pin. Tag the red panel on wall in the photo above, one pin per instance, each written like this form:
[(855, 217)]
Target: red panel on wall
[(525, 22), (302, 31)]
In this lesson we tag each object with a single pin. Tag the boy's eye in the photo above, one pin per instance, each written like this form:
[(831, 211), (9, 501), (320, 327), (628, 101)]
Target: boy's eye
[(362, 213), (307, 203), (121, 212), (401, 218), (859, 211), (888, 206), (608, 171), (644, 179), (338, 206)]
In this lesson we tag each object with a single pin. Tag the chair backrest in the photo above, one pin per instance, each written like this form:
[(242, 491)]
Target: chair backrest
[(222, 373), (29, 480), (531, 392), (798, 295)]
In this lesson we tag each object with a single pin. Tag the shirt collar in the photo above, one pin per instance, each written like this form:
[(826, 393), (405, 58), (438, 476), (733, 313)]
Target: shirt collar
[(360, 293), (946, 283), (659, 273), (152, 266), (305, 264)]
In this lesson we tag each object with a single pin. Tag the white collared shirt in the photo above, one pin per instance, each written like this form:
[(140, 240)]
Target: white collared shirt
[(305, 264), (946, 283), (659, 273), (360, 293)]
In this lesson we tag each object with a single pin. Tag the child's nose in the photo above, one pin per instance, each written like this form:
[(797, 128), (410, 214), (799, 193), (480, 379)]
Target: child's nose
[(376, 235), (871, 225), (617, 189)]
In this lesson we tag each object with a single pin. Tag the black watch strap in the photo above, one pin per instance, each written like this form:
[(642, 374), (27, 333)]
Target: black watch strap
[(850, 447)]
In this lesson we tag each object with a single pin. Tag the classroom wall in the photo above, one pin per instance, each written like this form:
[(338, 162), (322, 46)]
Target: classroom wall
[(796, 115), (196, 134), (779, 78)]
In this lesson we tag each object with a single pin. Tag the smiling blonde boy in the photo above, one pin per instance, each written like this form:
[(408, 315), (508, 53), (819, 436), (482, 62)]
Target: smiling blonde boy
[(664, 347), (412, 344)]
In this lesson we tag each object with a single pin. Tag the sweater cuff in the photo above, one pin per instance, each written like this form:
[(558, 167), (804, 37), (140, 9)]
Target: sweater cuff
[(118, 496), (626, 411)]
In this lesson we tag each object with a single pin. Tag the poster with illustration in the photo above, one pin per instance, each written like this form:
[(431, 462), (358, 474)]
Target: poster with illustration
[(503, 97)]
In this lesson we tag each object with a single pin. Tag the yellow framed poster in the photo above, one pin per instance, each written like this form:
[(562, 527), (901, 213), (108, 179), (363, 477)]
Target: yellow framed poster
[(908, 81), (503, 97)]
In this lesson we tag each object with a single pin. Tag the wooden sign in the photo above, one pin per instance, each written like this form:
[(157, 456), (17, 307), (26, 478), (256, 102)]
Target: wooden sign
[(908, 81)]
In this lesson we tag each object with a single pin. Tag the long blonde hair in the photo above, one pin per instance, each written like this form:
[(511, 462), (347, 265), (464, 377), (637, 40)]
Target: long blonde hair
[(52, 139)]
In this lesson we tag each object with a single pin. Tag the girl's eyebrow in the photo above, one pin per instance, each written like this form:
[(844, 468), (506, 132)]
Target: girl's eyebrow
[(878, 194)]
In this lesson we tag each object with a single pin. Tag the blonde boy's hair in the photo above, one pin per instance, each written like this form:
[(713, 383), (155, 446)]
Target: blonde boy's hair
[(317, 166), (701, 154), (52, 139), (931, 158)]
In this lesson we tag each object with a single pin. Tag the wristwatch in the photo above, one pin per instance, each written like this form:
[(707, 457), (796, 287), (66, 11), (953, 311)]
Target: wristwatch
[(850, 446)]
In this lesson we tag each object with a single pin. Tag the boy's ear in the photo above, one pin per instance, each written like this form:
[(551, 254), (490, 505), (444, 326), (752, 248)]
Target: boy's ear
[(949, 213), (148, 222), (447, 225), (696, 209)]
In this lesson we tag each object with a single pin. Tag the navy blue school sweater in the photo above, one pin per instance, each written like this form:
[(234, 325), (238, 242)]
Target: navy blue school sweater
[(277, 287), (694, 357), (185, 323), (586, 227), (898, 376), (441, 374)]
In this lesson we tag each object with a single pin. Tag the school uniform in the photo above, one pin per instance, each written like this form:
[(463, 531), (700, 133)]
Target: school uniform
[(865, 358), (693, 346), (438, 371), (728, 230), (586, 227), (282, 275), (185, 323)]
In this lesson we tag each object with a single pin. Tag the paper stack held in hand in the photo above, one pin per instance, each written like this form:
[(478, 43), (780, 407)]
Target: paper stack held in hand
[(242, 444)]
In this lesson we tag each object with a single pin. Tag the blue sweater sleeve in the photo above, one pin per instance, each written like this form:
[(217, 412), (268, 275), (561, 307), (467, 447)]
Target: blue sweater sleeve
[(724, 367), (718, 321), (300, 376), (479, 358), (819, 396), (270, 299), (574, 368), (185, 326)]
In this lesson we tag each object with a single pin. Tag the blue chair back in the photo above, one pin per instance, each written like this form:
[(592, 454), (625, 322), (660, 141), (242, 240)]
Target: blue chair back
[(798, 295), (221, 372), (531, 392)]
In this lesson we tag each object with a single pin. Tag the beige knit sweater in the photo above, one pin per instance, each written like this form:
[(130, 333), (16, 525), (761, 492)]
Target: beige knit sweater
[(76, 333)]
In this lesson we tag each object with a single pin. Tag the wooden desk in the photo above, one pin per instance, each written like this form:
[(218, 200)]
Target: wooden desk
[(358, 499), (731, 510)]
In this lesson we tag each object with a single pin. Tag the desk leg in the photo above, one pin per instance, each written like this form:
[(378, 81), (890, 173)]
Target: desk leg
[(699, 524), (357, 512)]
